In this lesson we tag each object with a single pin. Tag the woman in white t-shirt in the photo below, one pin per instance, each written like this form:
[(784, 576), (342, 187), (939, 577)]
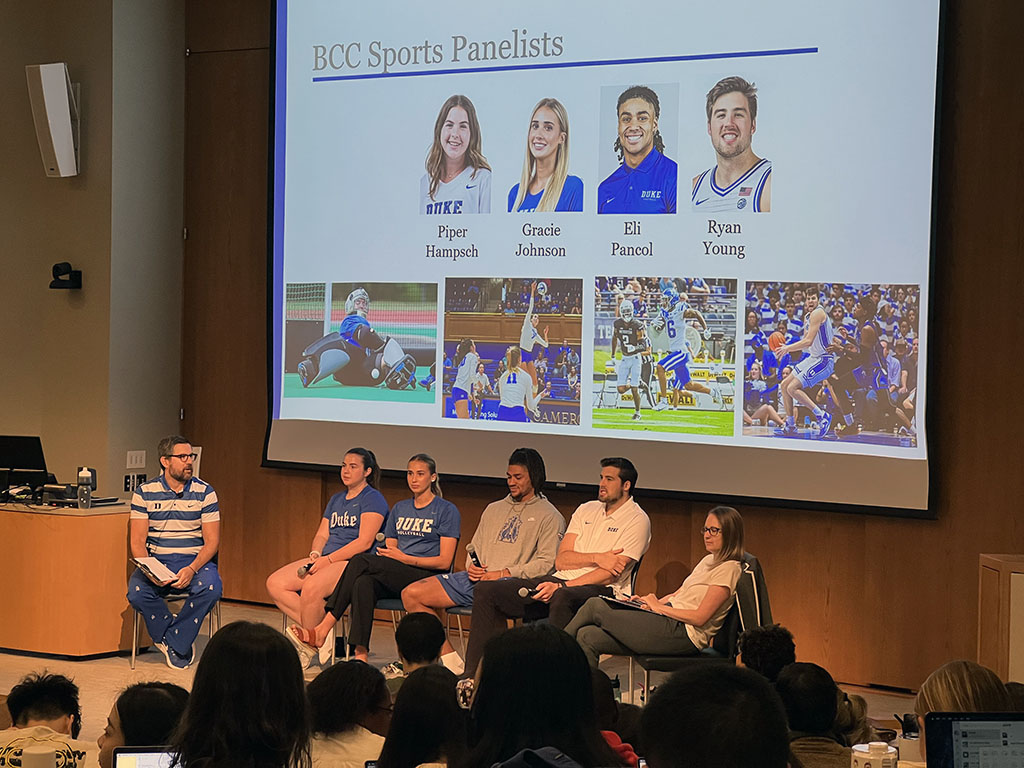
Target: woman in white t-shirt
[(683, 622), (458, 178)]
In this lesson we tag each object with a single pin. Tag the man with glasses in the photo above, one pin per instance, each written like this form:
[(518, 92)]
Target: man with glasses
[(175, 519)]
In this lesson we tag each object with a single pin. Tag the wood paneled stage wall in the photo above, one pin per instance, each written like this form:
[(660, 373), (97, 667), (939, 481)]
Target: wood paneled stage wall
[(873, 599)]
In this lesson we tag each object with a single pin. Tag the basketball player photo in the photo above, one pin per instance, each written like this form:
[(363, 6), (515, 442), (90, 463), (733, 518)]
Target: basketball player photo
[(739, 181)]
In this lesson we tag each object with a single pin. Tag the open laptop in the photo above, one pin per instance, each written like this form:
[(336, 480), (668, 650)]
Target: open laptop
[(142, 757), (974, 739)]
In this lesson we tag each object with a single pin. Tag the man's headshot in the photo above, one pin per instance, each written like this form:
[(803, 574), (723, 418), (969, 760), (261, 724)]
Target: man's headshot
[(739, 180), (645, 181)]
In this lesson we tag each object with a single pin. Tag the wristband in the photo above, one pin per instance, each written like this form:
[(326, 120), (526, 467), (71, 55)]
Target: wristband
[(315, 554), (194, 571)]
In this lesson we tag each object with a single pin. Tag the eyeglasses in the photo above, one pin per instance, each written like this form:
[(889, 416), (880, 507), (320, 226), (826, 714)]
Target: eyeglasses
[(183, 456), (711, 530)]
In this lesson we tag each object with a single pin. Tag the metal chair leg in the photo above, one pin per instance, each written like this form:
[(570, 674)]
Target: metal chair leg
[(632, 684), (462, 637), (135, 636)]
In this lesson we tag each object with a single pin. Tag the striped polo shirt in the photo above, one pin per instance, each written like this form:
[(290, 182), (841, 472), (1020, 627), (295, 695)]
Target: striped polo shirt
[(175, 519)]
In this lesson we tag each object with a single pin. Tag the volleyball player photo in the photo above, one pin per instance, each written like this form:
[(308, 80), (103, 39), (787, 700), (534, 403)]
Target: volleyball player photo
[(510, 345)]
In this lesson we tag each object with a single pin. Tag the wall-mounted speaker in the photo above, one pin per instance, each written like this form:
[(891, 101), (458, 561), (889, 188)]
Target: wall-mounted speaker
[(55, 111)]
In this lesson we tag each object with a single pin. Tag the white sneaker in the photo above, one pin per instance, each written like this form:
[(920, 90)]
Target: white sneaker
[(661, 405), (305, 650), (324, 651)]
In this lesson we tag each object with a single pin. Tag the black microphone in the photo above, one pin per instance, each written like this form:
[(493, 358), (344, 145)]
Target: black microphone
[(471, 551), (525, 592), (304, 569)]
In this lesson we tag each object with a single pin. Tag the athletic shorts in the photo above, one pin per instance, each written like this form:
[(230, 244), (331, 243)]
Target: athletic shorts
[(629, 367), (515, 413), (458, 587), (676, 363), (525, 355), (814, 370), (459, 394)]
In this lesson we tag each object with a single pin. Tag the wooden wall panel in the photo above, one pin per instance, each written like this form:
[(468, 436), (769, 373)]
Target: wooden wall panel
[(227, 25), (874, 599)]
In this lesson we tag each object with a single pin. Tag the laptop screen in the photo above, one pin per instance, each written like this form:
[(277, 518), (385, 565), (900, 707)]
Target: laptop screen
[(974, 739), (142, 757)]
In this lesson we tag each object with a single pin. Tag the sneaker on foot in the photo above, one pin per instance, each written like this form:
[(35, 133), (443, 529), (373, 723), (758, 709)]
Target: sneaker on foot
[(848, 430), (393, 670), (661, 405), (174, 659), (637, 416), (786, 431), (427, 383), (824, 424), (305, 650)]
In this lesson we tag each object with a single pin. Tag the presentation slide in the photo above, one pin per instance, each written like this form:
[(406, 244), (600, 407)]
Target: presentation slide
[(700, 240)]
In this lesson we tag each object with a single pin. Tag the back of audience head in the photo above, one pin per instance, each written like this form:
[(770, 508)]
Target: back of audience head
[(427, 725), (45, 699), (767, 649), (145, 714), (604, 700), (808, 694), (852, 725), (419, 638), (535, 690), (1016, 692), (248, 704), (962, 686), (349, 694), (715, 716)]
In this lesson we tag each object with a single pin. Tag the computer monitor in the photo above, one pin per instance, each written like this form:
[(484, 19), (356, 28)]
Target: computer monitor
[(142, 757), (974, 739), (22, 458)]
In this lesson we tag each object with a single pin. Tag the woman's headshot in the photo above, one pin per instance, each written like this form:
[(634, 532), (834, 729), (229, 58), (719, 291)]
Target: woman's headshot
[(545, 184), (458, 178)]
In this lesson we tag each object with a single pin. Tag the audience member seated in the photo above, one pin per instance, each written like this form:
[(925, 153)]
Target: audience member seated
[(681, 623), (767, 650), (45, 711), (419, 638), (715, 716), (421, 536), (348, 527), (534, 690), (607, 711), (808, 694), (517, 537), (248, 705), (852, 725), (175, 518), (961, 686), (602, 545), (351, 711), (144, 715), (427, 728)]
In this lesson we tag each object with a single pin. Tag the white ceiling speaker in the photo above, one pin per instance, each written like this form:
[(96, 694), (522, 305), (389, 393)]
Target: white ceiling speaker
[(55, 111)]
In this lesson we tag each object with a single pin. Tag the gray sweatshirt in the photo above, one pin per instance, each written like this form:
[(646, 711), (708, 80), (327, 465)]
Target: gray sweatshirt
[(520, 536)]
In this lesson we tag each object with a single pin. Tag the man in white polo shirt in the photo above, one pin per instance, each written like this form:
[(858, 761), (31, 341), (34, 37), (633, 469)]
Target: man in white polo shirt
[(602, 545)]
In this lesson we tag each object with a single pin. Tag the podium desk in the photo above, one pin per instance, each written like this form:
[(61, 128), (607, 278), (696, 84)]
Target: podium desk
[(64, 573)]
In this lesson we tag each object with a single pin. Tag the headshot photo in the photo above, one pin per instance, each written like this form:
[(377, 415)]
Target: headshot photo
[(645, 179), (739, 180), (545, 184), (458, 178)]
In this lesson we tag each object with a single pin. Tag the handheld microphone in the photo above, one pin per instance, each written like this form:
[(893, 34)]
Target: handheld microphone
[(379, 537), (304, 569), (525, 592), (471, 551)]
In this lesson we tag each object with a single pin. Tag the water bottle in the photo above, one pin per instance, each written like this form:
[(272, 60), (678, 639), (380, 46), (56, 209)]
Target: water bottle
[(84, 488)]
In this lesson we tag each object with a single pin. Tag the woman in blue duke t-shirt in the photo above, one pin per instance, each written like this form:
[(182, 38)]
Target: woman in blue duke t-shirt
[(421, 536), (545, 184), (348, 526)]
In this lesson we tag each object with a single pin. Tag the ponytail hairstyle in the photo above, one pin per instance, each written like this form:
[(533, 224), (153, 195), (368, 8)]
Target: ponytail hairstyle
[(464, 348), (435, 484), (515, 357), (370, 463)]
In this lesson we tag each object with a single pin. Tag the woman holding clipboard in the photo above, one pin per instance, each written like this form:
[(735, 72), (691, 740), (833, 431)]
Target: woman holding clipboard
[(681, 623)]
